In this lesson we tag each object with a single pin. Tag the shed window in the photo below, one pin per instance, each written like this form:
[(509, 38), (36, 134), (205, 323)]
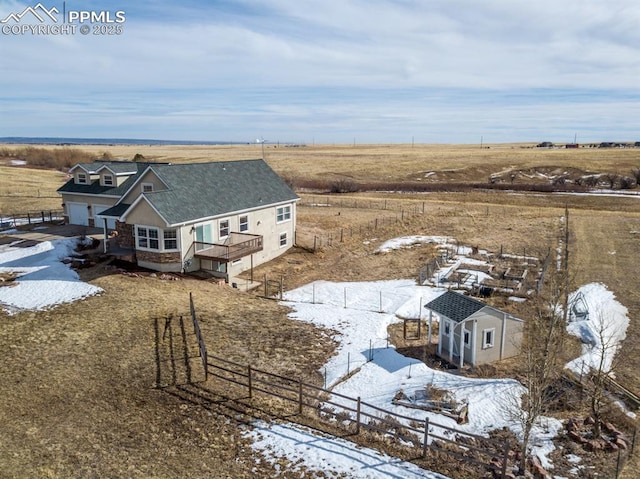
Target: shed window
[(488, 336), (447, 328)]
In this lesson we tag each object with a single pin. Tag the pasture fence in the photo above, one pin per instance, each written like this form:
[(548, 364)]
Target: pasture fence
[(355, 415), (30, 217)]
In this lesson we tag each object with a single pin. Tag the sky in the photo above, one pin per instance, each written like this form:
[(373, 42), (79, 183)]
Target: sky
[(330, 71), (359, 313)]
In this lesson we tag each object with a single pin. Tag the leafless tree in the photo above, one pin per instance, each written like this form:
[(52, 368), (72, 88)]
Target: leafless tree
[(600, 366)]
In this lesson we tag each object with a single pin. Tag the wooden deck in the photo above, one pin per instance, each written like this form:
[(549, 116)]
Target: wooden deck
[(237, 246)]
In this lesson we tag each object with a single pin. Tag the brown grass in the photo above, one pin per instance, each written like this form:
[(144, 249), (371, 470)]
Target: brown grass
[(91, 389)]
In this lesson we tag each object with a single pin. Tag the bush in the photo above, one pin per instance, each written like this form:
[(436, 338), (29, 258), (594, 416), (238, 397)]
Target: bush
[(59, 158)]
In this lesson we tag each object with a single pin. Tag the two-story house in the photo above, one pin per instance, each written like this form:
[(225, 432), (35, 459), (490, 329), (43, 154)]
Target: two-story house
[(223, 217)]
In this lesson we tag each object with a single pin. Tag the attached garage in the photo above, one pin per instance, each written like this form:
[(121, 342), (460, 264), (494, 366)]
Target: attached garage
[(97, 209), (78, 214)]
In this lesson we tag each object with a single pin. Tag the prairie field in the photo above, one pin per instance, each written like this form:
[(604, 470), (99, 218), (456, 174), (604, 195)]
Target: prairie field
[(97, 388)]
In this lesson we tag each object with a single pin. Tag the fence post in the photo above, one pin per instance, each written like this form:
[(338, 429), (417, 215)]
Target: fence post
[(42, 212), (370, 350), (50, 216), (300, 396), (505, 460), (618, 463), (426, 438), (28, 218), (249, 381), (633, 442), (358, 417), (348, 363), (341, 234)]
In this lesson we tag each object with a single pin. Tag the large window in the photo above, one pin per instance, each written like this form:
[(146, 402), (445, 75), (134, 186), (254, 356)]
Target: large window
[(154, 238), (147, 237), (223, 229), (283, 213), (204, 238), (244, 223)]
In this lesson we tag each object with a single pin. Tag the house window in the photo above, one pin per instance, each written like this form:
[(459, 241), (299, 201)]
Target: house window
[(82, 178), (170, 239), (223, 228), (107, 180), (283, 213), (236, 261), (467, 338), (219, 267), (283, 240), (147, 187), (147, 237), (488, 336), (447, 328), (244, 223)]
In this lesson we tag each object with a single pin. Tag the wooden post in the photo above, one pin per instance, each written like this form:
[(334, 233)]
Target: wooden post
[(348, 363), (300, 396), (265, 286), (358, 417), (370, 350), (619, 464), (376, 226), (28, 218), (249, 381), (425, 445), (341, 235), (505, 460)]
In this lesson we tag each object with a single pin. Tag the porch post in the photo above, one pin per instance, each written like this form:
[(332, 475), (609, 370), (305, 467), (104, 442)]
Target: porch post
[(452, 333), (472, 343), (104, 230), (461, 344), (503, 335)]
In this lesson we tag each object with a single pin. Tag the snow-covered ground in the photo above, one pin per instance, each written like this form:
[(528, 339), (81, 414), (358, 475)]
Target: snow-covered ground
[(359, 313), (42, 279)]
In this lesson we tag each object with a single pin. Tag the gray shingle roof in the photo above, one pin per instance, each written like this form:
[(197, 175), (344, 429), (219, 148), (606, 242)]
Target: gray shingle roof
[(455, 306), (115, 211), (203, 190), (95, 188)]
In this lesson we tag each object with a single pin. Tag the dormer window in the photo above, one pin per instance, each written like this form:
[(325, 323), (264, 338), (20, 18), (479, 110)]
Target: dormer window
[(82, 178), (107, 180), (147, 187)]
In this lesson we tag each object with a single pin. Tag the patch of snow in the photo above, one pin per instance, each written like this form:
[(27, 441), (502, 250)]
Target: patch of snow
[(335, 457), (18, 162), (602, 333), (43, 280)]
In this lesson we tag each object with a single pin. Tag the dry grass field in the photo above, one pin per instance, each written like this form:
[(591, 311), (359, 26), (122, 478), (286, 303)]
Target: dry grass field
[(97, 388)]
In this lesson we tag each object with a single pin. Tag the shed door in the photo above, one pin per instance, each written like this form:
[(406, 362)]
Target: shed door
[(78, 214)]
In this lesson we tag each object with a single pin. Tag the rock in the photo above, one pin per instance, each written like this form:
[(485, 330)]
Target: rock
[(588, 421), (621, 442)]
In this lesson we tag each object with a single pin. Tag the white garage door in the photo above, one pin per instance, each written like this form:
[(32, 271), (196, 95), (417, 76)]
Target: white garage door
[(78, 214), (111, 222)]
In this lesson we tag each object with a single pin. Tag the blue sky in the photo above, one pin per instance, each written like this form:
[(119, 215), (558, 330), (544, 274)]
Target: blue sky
[(331, 71)]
